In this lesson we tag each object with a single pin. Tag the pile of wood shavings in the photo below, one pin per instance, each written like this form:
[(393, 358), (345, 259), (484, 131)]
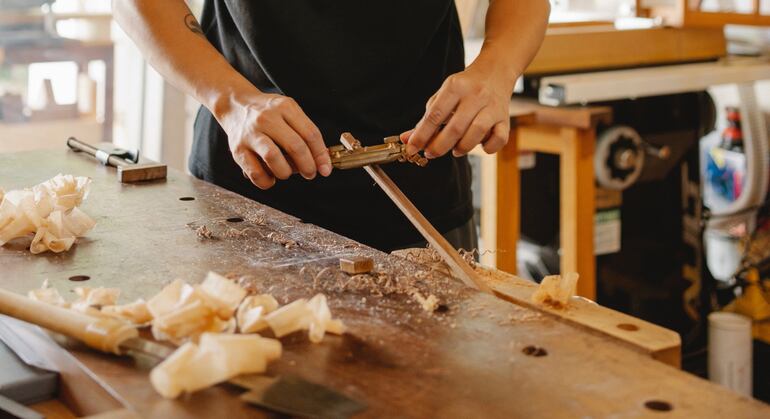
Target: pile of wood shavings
[(378, 283)]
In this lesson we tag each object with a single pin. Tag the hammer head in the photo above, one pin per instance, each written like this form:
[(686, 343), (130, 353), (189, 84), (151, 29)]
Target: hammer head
[(130, 173)]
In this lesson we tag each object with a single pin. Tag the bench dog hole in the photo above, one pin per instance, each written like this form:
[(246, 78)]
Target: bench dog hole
[(187, 198), (235, 220), (79, 278), (628, 327), (658, 405), (535, 351)]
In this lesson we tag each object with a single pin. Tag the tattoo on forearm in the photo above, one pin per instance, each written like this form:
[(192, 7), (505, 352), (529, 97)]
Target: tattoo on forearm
[(192, 24)]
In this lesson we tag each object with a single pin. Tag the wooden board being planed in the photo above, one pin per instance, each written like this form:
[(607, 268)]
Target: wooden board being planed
[(477, 358)]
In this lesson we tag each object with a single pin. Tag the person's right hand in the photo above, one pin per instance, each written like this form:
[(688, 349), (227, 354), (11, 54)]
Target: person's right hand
[(271, 137)]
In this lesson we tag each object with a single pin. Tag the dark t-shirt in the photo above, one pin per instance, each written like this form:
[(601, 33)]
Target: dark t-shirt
[(352, 65)]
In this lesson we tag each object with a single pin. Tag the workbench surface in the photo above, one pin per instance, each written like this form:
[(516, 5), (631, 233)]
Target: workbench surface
[(465, 361)]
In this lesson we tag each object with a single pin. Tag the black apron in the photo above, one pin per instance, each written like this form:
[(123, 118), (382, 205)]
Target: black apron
[(367, 67)]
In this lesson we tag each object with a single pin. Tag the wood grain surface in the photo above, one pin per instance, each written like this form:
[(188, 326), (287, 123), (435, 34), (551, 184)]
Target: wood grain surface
[(468, 360)]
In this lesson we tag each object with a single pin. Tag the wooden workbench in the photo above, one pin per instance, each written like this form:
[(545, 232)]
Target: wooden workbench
[(466, 361)]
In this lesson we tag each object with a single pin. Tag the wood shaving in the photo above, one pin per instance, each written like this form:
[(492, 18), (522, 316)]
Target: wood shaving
[(136, 312), (206, 313), (556, 290), (312, 315), (429, 303), (234, 233), (217, 358), (252, 311), (276, 237), (48, 295), (95, 297), (48, 213), (204, 233)]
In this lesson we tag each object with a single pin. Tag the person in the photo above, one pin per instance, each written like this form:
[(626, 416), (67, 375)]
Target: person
[(279, 81)]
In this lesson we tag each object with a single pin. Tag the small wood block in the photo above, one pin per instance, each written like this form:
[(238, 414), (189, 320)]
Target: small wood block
[(141, 172), (356, 264)]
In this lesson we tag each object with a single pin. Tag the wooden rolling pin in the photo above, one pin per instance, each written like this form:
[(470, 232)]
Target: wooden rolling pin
[(103, 334)]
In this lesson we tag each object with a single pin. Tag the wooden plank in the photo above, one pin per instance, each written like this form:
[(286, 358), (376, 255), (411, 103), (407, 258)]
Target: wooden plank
[(566, 50), (653, 340), (459, 266), (601, 86), (541, 138), (396, 358), (569, 116)]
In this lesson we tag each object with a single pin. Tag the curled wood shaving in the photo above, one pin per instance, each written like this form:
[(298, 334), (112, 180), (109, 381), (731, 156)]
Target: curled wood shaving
[(233, 233), (312, 315), (556, 290), (136, 312), (96, 297), (217, 358), (252, 311), (202, 319), (183, 312), (203, 232), (48, 295), (48, 212)]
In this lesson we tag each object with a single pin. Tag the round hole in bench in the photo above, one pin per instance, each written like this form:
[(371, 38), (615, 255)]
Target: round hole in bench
[(628, 327), (79, 278), (235, 220), (535, 351), (187, 198), (658, 405)]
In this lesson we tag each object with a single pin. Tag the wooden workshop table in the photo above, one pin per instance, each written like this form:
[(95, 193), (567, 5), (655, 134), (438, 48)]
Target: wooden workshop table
[(465, 361), (569, 133)]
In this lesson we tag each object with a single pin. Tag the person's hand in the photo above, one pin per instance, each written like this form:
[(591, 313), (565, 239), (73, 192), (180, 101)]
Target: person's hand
[(271, 137), (469, 109)]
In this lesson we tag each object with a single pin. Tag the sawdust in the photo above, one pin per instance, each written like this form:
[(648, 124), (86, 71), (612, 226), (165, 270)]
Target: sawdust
[(279, 238), (204, 233), (234, 233)]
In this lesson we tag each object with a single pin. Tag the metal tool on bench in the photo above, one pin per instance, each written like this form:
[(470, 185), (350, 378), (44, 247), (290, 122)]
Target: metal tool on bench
[(114, 336), (459, 267), (390, 151), (130, 170)]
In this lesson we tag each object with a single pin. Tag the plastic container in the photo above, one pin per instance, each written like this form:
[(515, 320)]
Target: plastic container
[(730, 346)]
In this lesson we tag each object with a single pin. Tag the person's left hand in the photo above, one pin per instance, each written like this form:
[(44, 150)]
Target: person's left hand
[(469, 109)]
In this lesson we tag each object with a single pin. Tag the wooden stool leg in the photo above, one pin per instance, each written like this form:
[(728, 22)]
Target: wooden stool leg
[(500, 211), (577, 208)]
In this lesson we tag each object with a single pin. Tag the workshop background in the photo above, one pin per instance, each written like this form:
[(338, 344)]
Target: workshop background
[(679, 225)]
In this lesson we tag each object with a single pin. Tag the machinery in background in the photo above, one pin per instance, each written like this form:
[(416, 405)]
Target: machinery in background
[(647, 168), (653, 230)]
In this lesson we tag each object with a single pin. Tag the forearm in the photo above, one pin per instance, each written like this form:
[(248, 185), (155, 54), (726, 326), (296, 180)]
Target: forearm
[(514, 31), (173, 43)]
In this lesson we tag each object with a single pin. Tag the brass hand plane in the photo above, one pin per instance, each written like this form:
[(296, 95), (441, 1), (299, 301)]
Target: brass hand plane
[(391, 150)]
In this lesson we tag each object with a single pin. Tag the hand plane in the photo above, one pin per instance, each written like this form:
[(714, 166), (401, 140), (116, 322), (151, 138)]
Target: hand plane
[(359, 156)]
